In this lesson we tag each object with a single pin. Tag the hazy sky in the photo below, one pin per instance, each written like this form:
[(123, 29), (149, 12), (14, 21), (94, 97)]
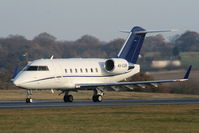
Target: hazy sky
[(70, 19)]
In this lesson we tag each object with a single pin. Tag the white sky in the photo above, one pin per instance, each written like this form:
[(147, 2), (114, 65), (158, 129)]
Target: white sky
[(70, 19)]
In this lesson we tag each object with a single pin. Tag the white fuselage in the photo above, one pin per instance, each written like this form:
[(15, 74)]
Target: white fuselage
[(66, 73)]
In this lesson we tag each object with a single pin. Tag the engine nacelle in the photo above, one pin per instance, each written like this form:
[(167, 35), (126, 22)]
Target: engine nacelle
[(116, 66)]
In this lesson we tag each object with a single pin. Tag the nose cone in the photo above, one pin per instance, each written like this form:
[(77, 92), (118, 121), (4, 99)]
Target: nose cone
[(17, 82), (20, 80)]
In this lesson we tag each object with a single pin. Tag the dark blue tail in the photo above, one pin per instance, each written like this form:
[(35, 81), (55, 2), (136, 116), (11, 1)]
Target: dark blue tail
[(131, 49)]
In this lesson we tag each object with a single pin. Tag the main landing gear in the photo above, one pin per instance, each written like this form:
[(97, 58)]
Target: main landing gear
[(67, 97), (29, 99), (97, 96)]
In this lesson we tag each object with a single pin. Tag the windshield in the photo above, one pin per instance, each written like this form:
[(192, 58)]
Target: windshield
[(36, 68)]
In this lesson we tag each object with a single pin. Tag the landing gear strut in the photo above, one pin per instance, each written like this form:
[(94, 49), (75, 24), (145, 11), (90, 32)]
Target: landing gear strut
[(29, 99), (97, 96), (67, 97)]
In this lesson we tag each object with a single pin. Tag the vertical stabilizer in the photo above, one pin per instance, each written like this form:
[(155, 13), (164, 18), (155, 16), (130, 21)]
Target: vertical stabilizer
[(131, 48)]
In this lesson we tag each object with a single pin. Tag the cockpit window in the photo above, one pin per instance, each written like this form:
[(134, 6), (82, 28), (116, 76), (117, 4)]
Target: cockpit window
[(32, 68), (37, 68)]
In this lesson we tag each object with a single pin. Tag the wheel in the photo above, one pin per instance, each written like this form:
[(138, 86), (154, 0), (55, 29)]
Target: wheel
[(97, 98), (65, 98), (28, 100), (68, 98), (94, 98)]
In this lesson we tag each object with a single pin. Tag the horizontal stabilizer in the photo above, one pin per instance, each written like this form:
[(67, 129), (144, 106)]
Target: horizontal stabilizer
[(125, 31), (147, 31), (153, 31)]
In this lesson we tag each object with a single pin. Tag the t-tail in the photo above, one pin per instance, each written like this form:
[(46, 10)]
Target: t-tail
[(131, 48)]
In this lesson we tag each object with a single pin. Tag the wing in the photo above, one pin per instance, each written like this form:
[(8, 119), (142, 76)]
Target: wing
[(137, 83)]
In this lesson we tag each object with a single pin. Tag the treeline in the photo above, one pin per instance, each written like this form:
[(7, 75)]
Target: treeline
[(16, 49)]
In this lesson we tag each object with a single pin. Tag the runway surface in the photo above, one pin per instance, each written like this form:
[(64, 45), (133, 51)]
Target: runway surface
[(78, 103)]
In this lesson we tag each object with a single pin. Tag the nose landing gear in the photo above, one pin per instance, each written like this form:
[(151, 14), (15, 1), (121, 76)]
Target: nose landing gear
[(29, 99)]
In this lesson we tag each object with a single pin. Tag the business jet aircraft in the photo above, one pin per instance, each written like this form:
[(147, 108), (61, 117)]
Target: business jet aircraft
[(75, 74)]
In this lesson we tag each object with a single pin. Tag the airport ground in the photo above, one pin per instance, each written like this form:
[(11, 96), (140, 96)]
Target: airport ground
[(109, 119)]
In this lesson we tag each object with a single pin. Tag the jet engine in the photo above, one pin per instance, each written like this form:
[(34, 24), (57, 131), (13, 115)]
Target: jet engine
[(117, 66)]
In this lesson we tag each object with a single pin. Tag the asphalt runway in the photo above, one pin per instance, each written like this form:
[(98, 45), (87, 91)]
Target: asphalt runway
[(79, 103)]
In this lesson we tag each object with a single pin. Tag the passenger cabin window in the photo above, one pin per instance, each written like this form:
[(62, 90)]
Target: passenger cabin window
[(91, 70), (81, 70), (65, 70), (86, 70), (96, 69), (71, 70), (76, 70), (37, 68)]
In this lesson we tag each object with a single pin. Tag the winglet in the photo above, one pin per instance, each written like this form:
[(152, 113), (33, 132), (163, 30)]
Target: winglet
[(186, 76)]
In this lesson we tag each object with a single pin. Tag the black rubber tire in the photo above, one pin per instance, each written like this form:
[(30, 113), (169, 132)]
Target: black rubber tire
[(28, 100), (97, 98), (65, 98), (70, 98), (94, 98)]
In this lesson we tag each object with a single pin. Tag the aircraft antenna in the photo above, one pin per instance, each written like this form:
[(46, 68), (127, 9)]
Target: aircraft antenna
[(52, 57)]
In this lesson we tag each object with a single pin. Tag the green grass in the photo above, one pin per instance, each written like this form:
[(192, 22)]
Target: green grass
[(187, 58), (190, 58), (120, 119)]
